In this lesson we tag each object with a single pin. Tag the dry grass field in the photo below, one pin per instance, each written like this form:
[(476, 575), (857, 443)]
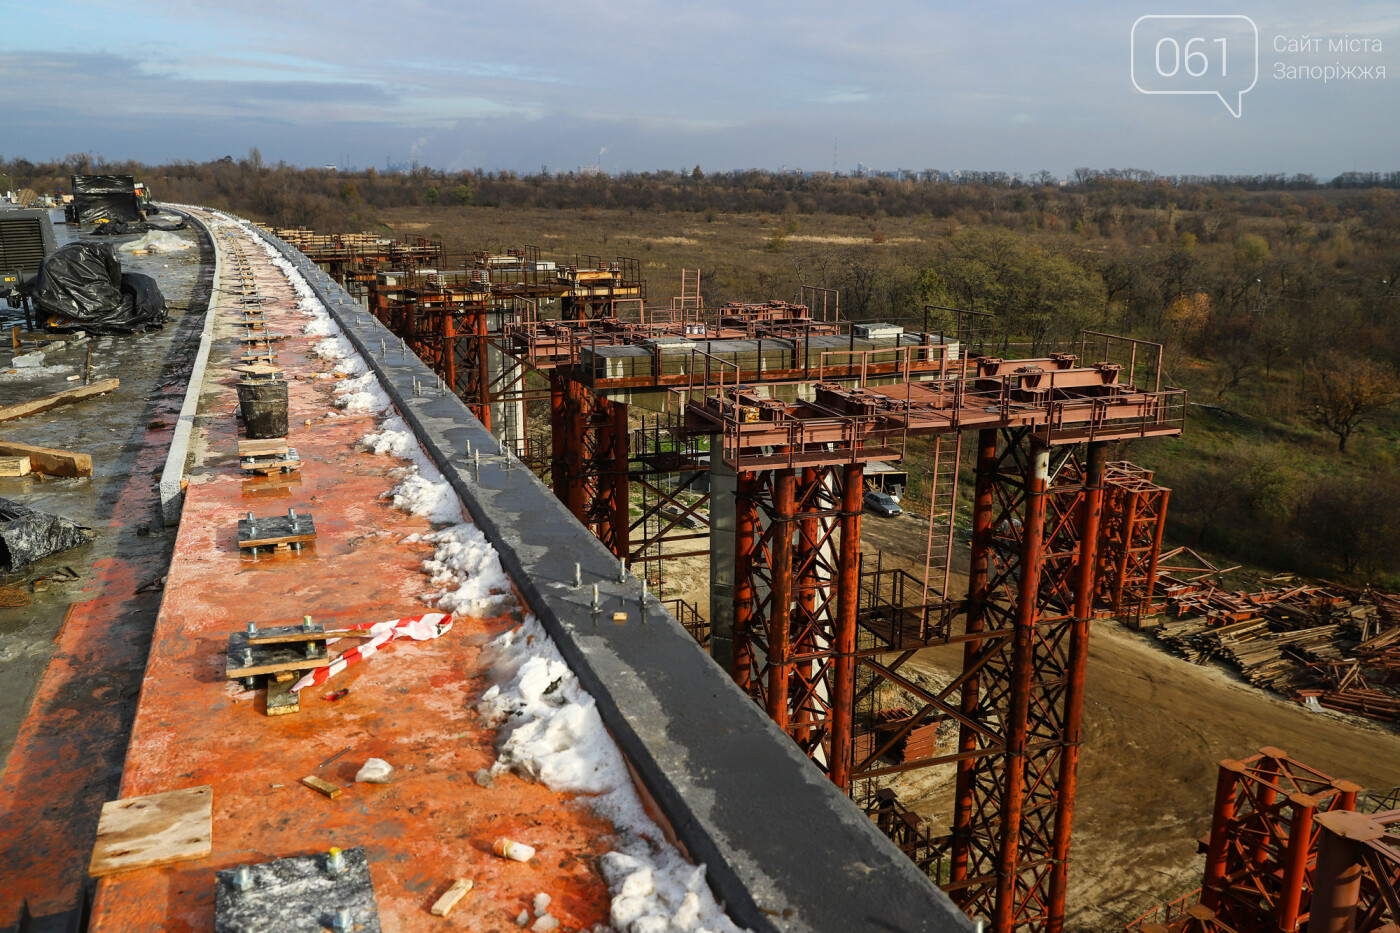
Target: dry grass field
[(742, 257)]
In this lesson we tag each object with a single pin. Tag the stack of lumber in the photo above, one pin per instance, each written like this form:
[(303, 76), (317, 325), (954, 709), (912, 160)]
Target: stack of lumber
[(1338, 645), (1361, 701), (921, 742)]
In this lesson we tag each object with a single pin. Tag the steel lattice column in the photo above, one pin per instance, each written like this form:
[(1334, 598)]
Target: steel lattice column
[(1262, 840), (796, 585), (590, 472), (1022, 694), (1130, 538), (1090, 512)]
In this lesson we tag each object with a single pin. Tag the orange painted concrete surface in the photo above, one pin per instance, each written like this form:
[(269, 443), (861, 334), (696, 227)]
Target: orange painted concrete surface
[(411, 704)]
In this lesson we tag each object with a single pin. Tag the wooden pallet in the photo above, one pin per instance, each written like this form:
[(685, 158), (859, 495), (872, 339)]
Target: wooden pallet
[(245, 660), (281, 532), (266, 456)]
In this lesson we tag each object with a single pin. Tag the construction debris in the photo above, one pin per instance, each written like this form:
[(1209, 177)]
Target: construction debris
[(451, 896), (158, 829), (509, 848), (48, 460), (66, 397), (322, 787), (27, 535), (1336, 645), (375, 771)]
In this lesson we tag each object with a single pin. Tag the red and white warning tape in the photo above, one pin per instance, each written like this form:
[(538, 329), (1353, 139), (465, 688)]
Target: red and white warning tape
[(425, 627)]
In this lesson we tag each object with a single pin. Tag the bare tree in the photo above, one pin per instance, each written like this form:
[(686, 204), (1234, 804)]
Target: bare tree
[(1343, 391)]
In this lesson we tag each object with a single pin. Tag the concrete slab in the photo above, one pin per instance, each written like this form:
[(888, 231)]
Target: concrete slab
[(71, 659)]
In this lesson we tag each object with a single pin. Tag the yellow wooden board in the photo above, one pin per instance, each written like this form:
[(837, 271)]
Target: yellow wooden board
[(14, 466), (158, 829), (449, 900), (325, 788), (49, 461)]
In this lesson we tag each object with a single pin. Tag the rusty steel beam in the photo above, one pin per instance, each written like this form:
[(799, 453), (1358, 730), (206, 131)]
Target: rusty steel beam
[(779, 650), (847, 600), (558, 435), (618, 490), (978, 599), (1022, 672), (1091, 508), (746, 523)]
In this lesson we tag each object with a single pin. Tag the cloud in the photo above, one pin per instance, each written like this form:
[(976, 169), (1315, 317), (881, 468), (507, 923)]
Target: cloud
[(998, 86)]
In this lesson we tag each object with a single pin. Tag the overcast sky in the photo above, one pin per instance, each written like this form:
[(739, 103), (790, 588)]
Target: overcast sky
[(631, 84)]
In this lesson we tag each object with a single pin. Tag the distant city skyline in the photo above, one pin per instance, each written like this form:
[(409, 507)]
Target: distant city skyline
[(633, 85)]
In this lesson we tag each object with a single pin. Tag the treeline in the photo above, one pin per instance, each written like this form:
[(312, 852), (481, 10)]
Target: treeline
[(287, 195)]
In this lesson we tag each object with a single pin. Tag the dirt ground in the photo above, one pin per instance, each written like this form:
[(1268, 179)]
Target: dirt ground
[(1155, 727)]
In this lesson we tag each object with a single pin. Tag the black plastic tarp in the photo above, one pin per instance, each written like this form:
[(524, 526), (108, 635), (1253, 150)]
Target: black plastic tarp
[(105, 197), (82, 287), (27, 535), (119, 228)]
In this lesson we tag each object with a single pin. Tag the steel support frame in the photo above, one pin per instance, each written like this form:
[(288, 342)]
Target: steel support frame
[(590, 466), (1356, 884), (672, 520), (1019, 699), (1263, 844), (1134, 520), (1036, 511), (797, 547)]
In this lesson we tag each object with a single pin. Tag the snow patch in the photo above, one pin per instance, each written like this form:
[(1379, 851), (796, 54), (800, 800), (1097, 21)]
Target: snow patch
[(551, 732), (338, 347), (362, 393), (423, 490), (466, 572), (26, 373)]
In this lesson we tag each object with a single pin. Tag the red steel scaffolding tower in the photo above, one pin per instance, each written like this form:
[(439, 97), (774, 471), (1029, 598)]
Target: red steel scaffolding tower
[(814, 635)]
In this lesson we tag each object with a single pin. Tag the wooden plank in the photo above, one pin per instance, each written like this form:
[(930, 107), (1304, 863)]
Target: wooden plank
[(326, 788), (14, 466), (66, 397), (271, 540), (49, 461), (266, 370), (158, 829), (265, 467), (280, 698), (262, 447), (449, 899), (277, 634)]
